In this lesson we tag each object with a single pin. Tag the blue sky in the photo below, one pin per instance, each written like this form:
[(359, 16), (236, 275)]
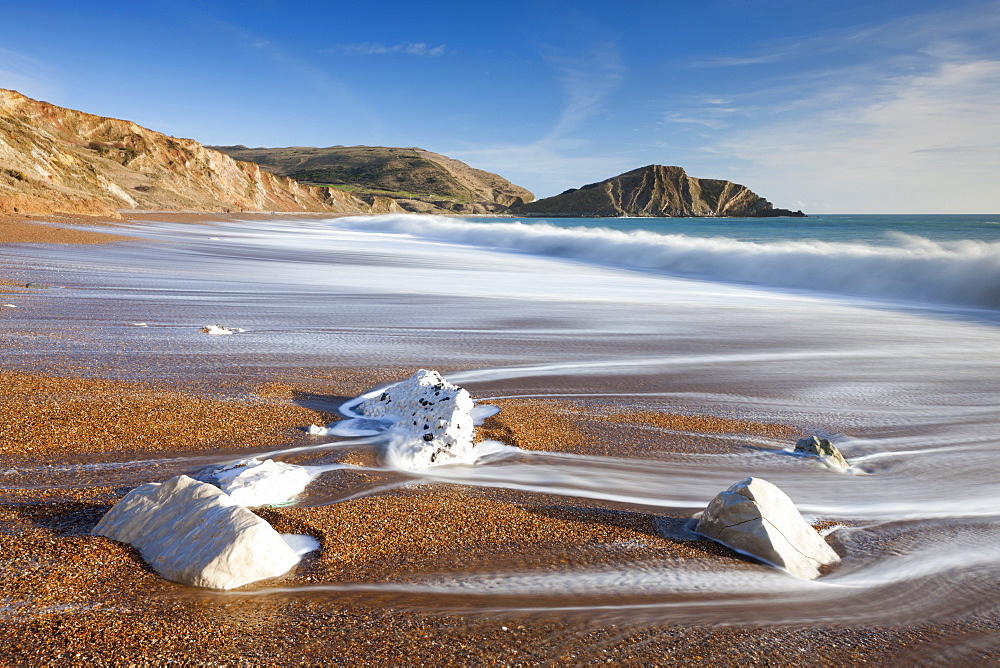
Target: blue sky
[(832, 107)]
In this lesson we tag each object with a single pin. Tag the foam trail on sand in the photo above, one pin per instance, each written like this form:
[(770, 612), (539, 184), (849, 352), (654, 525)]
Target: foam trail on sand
[(716, 596)]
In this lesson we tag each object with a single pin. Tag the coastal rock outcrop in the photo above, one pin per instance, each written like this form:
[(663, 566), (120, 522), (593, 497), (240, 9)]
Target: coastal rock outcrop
[(194, 533), (655, 191), (823, 449), (433, 421), (57, 160), (756, 518)]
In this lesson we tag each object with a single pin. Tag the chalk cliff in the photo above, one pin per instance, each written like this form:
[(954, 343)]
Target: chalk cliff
[(655, 191), (57, 160)]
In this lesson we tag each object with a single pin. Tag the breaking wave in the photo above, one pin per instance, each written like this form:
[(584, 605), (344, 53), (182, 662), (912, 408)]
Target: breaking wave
[(912, 268)]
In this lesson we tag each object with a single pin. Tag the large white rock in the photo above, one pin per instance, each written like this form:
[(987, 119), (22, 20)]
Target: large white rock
[(433, 421), (758, 519), (193, 533), (252, 482)]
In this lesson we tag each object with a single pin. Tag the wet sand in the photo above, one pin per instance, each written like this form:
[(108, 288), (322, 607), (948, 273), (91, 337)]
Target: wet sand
[(70, 598), (52, 229), (62, 228)]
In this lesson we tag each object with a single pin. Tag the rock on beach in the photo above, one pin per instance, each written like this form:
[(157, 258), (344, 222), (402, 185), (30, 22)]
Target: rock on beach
[(756, 518), (822, 448), (434, 423), (193, 533)]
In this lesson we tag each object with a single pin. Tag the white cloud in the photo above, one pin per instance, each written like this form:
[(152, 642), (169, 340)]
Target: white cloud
[(942, 33), (891, 117), (714, 123), (377, 49), (926, 142)]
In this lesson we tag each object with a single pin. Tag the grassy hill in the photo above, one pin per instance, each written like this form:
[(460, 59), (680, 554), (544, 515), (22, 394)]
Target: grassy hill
[(417, 179)]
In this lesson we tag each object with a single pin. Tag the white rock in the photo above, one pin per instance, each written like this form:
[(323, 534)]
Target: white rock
[(758, 519), (253, 483), (216, 330), (433, 421), (194, 533)]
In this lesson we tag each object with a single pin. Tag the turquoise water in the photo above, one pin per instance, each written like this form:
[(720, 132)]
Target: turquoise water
[(872, 229)]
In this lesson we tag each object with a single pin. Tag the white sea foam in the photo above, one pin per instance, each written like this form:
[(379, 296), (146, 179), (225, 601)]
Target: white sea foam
[(965, 273), (253, 482), (301, 544)]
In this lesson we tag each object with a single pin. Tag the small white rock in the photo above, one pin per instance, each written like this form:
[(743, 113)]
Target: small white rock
[(823, 450), (217, 330)]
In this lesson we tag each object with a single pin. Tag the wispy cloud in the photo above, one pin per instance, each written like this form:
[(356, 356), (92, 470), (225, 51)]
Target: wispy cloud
[(587, 79), (378, 49), (913, 143), (895, 117), (711, 112), (559, 160), (927, 34), (25, 74), (737, 61), (713, 123), (304, 70)]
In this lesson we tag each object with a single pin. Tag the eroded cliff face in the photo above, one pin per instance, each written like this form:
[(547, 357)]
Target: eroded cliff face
[(655, 191), (56, 160)]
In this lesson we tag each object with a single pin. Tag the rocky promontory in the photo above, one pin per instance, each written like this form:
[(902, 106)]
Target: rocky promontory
[(656, 191)]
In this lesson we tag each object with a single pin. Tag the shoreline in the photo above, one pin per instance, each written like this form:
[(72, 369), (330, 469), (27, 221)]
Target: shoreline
[(53, 228), (422, 572)]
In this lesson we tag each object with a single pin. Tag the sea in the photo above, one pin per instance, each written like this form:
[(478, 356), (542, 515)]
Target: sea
[(919, 258), (881, 333)]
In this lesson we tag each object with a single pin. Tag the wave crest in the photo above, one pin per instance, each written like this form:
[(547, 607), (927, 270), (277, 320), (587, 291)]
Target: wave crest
[(961, 273)]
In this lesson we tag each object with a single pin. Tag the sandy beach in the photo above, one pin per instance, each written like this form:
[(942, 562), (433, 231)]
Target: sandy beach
[(75, 598), (405, 567)]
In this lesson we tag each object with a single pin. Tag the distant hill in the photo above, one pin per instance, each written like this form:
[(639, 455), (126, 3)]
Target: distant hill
[(655, 191), (416, 179), (56, 160)]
